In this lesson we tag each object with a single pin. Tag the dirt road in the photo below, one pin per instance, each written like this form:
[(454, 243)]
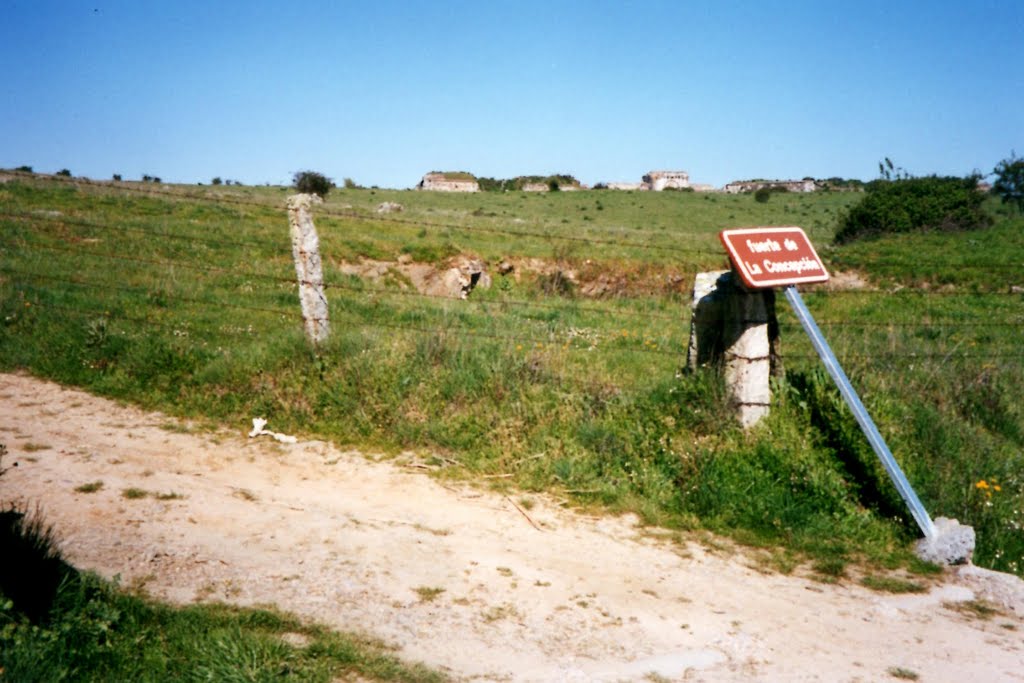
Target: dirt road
[(485, 586)]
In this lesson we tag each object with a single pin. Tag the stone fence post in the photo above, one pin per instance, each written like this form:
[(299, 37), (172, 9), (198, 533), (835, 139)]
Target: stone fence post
[(308, 266), (735, 330)]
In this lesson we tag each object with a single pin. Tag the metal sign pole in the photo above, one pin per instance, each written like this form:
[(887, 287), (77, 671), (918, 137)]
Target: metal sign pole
[(867, 425)]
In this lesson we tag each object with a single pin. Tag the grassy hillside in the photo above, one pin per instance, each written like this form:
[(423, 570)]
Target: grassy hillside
[(183, 299)]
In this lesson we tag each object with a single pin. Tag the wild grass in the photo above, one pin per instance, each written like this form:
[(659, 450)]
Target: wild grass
[(185, 301), (97, 632), (892, 584)]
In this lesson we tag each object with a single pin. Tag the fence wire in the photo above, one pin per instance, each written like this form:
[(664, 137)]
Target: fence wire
[(354, 293)]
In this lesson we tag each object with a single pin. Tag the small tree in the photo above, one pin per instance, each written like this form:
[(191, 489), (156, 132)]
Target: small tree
[(311, 182), (1009, 184), (64, 172), (216, 181), (117, 177), (763, 194)]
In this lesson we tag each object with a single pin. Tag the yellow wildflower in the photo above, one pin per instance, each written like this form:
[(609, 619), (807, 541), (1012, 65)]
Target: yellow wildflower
[(981, 484)]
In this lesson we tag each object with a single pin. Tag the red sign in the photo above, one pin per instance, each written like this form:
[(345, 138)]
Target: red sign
[(773, 257)]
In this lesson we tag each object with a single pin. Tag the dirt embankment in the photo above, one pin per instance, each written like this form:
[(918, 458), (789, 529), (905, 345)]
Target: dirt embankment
[(487, 587)]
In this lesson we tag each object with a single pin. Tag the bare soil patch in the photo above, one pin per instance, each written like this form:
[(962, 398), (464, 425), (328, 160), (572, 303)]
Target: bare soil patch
[(476, 583)]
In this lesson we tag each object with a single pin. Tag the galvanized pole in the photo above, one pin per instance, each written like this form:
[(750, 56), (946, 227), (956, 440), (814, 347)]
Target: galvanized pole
[(867, 425)]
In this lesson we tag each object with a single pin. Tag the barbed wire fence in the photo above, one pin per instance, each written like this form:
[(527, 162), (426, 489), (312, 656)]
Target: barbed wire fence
[(267, 290)]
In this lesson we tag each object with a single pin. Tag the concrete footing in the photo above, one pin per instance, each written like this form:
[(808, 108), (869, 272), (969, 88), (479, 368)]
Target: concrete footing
[(953, 544)]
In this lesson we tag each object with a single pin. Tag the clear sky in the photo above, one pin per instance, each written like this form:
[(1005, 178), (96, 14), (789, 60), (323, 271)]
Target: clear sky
[(383, 91)]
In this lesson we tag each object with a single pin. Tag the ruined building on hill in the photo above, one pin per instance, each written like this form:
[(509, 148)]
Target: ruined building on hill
[(741, 186), (438, 181), (657, 181)]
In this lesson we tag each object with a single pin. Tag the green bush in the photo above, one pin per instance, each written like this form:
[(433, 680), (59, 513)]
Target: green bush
[(1009, 184), (915, 204), (64, 172), (763, 195), (311, 182)]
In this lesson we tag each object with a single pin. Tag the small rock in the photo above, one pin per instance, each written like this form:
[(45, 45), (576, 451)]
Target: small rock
[(505, 268), (952, 545), (389, 207)]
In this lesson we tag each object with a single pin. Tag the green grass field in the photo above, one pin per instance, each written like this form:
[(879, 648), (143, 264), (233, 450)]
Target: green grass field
[(183, 298)]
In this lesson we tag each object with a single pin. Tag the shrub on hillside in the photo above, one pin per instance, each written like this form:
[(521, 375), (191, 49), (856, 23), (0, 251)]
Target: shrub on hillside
[(64, 172), (762, 195), (1009, 184), (311, 182), (909, 204)]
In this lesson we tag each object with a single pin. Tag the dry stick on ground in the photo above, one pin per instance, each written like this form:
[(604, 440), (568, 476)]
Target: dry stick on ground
[(523, 513)]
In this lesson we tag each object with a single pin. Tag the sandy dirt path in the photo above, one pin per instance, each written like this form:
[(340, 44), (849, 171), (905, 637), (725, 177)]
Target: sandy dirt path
[(460, 579)]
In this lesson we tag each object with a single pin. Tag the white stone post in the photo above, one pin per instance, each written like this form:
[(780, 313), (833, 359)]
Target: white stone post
[(308, 266), (736, 330)]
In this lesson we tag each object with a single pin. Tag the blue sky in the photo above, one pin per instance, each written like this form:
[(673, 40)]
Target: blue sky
[(383, 92)]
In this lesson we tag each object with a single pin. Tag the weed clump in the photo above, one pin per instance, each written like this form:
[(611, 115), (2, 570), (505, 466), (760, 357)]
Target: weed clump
[(33, 569)]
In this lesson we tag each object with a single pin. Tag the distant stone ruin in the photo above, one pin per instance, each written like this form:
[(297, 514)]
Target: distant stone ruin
[(657, 181), (436, 181), (546, 187), (741, 186)]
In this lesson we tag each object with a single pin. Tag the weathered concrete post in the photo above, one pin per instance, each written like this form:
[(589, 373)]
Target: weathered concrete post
[(735, 329), (308, 267)]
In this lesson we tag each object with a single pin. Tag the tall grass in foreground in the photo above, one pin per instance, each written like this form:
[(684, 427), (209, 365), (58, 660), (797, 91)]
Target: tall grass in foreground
[(97, 632), (583, 397)]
